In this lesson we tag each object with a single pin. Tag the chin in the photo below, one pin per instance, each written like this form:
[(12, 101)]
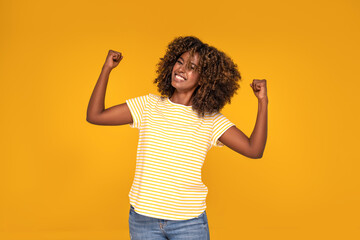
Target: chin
[(174, 86), (173, 83)]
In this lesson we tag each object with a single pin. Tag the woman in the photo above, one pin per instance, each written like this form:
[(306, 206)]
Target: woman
[(176, 129)]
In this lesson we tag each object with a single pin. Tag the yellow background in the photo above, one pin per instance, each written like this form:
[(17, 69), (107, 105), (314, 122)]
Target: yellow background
[(64, 178)]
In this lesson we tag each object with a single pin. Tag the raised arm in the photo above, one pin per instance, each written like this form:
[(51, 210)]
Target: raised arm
[(96, 112), (254, 146)]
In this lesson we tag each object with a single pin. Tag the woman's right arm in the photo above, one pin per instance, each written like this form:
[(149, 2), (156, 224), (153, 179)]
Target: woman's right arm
[(96, 112)]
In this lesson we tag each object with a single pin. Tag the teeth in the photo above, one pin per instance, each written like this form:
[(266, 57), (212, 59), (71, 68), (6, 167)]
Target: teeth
[(179, 77)]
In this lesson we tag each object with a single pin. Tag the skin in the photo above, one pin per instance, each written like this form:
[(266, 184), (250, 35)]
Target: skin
[(233, 138), (254, 146), (184, 89)]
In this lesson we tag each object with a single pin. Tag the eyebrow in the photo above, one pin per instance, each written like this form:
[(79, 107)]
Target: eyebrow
[(190, 62)]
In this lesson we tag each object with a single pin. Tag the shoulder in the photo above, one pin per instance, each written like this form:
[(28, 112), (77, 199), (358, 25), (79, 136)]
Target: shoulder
[(213, 116), (219, 119), (146, 98), (153, 96)]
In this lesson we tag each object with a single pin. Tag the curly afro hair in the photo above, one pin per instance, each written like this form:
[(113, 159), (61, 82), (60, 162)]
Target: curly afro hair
[(219, 75)]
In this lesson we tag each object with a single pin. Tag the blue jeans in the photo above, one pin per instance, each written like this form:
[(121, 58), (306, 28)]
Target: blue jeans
[(142, 227)]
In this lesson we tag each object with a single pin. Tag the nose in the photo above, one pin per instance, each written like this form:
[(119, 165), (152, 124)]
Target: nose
[(182, 67)]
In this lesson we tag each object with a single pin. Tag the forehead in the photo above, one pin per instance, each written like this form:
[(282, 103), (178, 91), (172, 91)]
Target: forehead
[(194, 59)]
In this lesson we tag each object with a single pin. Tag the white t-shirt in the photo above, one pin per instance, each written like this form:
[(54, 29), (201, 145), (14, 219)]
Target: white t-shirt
[(173, 142)]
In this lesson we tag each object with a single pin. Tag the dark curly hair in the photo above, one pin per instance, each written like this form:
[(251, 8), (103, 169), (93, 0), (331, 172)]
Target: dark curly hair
[(219, 75)]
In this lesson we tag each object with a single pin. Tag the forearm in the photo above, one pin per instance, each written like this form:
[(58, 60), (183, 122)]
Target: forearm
[(97, 99), (259, 134)]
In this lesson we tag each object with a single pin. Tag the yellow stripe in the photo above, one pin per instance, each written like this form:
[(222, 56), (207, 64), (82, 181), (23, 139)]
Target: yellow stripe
[(173, 166), (170, 189), (169, 173), (171, 154), (169, 203), (162, 207), (199, 189), (169, 181), (196, 145), (168, 196)]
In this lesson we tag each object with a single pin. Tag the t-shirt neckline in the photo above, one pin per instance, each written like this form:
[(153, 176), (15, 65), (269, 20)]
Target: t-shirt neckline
[(177, 104)]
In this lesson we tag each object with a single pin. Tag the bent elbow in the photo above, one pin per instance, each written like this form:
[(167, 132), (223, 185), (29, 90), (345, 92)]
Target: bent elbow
[(256, 155), (90, 120)]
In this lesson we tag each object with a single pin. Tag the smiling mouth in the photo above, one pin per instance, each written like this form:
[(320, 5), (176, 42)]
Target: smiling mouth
[(180, 78)]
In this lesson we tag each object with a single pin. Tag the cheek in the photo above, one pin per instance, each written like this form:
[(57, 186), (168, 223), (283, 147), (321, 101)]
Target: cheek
[(196, 77)]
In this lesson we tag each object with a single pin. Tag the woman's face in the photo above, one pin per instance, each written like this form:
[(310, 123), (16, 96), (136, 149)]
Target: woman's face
[(183, 78)]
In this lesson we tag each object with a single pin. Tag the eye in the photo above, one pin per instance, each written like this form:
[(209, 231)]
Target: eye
[(178, 61)]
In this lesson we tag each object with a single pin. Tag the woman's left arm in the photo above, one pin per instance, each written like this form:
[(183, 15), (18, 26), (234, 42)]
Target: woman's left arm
[(254, 146)]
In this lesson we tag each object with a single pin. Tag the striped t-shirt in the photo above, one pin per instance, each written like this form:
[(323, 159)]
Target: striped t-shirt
[(173, 142)]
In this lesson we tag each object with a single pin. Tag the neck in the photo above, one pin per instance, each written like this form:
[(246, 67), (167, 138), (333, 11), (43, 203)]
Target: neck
[(182, 98)]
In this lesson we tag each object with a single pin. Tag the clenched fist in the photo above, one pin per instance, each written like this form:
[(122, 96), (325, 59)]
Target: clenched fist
[(112, 60), (259, 88)]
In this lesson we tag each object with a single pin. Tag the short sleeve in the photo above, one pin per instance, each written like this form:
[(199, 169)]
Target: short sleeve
[(220, 125), (137, 107)]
